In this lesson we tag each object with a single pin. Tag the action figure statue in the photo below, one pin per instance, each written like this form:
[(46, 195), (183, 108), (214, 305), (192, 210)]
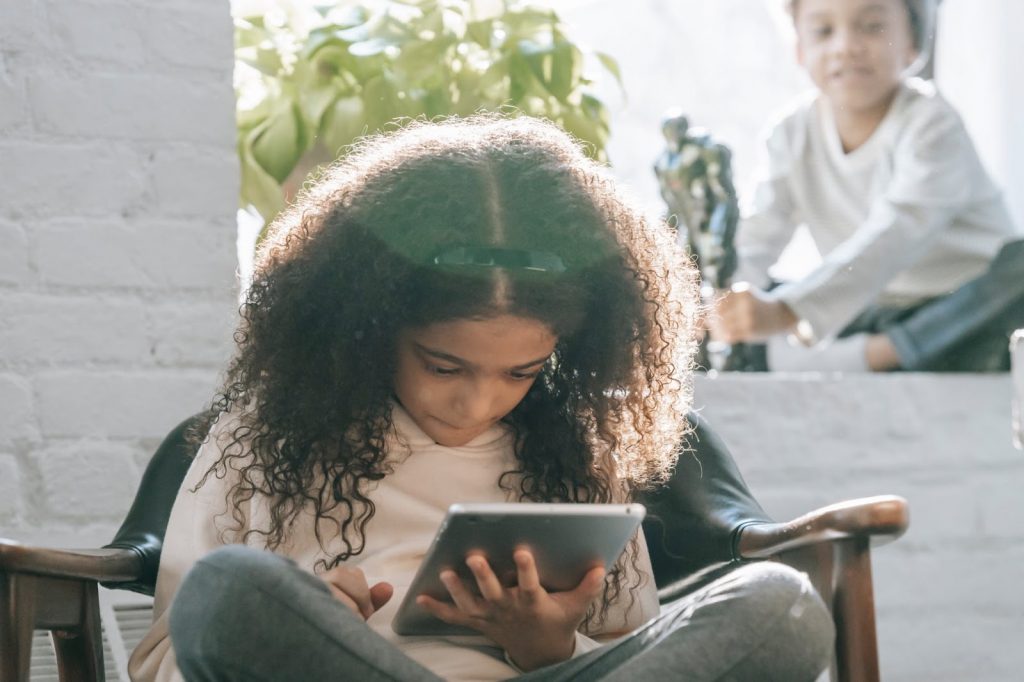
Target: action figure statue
[(695, 177)]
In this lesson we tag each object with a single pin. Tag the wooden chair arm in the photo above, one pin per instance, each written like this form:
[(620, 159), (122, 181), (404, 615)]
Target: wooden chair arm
[(101, 565), (881, 519)]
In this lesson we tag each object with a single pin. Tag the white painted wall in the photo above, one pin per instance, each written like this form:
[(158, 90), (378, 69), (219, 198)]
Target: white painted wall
[(950, 593), (118, 187), (727, 64), (978, 53)]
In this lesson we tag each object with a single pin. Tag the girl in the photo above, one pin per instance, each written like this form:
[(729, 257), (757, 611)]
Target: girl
[(458, 312)]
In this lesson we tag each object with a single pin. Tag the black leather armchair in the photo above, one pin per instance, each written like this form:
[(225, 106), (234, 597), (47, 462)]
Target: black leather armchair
[(698, 524)]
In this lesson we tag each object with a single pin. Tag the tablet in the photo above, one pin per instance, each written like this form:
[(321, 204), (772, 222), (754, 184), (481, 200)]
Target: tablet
[(567, 540)]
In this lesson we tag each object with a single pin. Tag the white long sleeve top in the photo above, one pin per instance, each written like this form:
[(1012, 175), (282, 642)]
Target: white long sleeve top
[(410, 505), (909, 215)]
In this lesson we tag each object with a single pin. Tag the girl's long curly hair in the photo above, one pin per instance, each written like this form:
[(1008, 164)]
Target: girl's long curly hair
[(351, 265)]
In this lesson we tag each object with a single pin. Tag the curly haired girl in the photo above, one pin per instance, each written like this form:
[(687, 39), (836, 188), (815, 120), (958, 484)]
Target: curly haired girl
[(467, 311)]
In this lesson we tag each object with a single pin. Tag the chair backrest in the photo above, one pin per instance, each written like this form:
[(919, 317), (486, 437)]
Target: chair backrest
[(143, 529), (693, 521)]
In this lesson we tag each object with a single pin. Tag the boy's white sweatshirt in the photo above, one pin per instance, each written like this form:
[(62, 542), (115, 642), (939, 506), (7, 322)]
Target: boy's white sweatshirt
[(909, 215)]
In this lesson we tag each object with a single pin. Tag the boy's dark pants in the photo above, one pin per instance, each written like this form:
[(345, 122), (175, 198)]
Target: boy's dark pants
[(966, 331)]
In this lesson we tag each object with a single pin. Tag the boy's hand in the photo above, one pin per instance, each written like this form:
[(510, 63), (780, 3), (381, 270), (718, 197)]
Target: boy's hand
[(349, 586), (535, 627), (746, 313)]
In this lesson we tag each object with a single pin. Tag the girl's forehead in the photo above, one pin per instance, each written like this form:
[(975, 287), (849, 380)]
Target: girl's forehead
[(505, 339)]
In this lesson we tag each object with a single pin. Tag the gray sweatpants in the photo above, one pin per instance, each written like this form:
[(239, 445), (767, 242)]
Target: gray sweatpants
[(243, 614)]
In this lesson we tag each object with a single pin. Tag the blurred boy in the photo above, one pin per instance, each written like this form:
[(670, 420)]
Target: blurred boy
[(883, 173)]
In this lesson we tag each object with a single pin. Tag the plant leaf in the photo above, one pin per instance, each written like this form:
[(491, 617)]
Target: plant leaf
[(314, 102), (279, 141), (612, 67), (566, 61), (343, 122), (481, 32), (345, 69), (259, 190)]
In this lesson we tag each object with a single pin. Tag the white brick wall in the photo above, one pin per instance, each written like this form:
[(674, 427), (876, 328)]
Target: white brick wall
[(118, 189), (949, 593)]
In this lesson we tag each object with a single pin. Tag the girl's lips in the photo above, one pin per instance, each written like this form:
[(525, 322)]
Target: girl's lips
[(452, 426)]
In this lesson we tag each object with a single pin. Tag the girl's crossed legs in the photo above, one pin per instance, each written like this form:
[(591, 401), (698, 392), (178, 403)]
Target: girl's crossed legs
[(244, 614)]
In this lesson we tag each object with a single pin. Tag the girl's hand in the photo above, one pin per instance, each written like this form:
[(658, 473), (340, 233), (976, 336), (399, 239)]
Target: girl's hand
[(535, 627), (349, 586)]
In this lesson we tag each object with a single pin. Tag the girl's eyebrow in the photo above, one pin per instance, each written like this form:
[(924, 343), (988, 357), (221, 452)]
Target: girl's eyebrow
[(454, 359), (533, 363)]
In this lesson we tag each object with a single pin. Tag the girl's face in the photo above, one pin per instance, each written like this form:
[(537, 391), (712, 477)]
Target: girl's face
[(457, 379), (855, 51)]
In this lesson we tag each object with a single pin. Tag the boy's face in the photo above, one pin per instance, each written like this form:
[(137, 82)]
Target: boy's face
[(855, 51), (457, 379)]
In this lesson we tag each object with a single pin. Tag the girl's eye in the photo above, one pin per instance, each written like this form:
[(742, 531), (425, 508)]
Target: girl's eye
[(442, 371), (821, 32), (528, 376), (875, 27)]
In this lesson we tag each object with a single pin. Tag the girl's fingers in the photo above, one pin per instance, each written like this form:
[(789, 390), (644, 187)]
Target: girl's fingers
[(360, 594), (352, 582), (446, 612), (591, 585), (490, 586), (344, 599), (462, 597), (526, 572), (380, 594)]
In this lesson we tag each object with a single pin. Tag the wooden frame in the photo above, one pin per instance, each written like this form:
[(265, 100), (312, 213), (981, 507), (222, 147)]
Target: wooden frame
[(56, 590)]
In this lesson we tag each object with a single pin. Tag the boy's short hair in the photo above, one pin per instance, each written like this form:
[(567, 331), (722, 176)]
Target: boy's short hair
[(920, 12)]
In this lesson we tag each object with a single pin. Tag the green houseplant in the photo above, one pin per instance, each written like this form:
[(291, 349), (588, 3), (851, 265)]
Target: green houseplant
[(311, 79)]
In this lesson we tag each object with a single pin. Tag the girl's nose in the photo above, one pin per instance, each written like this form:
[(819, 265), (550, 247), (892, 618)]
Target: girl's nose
[(474, 402)]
